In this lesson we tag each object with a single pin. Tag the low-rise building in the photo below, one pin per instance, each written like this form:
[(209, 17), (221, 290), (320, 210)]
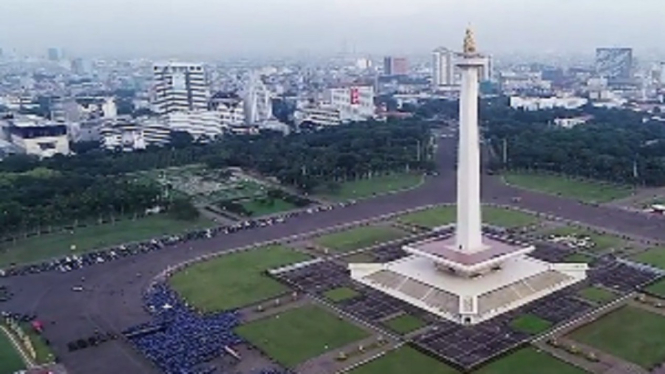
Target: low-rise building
[(37, 136), (540, 103), (200, 125)]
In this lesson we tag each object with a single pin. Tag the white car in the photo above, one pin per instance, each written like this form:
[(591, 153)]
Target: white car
[(77, 288)]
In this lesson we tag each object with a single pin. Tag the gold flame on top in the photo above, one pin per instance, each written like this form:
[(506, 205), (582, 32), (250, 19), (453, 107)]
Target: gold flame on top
[(469, 42)]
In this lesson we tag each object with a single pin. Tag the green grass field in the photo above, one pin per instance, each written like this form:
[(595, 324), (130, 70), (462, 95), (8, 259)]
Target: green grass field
[(405, 324), (340, 294), (260, 207), (445, 215), (297, 335), (10, 360), (653, 256), (530, 324), (404, 360), (359, 237), (527, 361), (234, 280), (629, 333), (578, 258), (603, 241), (379, 185), (597, 295), (59, 244), (657, 288), (588, 191)]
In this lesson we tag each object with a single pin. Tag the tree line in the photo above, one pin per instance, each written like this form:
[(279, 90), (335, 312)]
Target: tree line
[(93, 183), (619, 146)]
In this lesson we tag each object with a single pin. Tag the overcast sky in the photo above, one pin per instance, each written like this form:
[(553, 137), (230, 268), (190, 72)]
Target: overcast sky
[(287, 27)]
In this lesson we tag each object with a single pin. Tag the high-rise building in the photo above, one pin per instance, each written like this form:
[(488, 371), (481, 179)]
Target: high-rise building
[(662, 73), (179, 87), (395, 65), (443, 67), (355, 103), (614, 63), (54, 54), (258, 101)]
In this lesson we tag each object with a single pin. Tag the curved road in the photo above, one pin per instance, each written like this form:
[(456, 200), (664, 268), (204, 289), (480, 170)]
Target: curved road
[(112, 297)]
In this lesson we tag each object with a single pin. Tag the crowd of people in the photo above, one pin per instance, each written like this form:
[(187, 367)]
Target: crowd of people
[(76, 261), (179, 339)]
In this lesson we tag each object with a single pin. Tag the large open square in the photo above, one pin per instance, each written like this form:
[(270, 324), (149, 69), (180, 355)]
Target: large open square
[(359, 237), (364, 219), (631, 333), (84, 239), (529, 360), (404, 360), (584, 190), (445, 215), (377, 185), (297, 335), (234, 280)]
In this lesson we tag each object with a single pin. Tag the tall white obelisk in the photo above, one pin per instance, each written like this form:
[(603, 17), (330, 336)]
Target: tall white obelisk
[(469, 222)]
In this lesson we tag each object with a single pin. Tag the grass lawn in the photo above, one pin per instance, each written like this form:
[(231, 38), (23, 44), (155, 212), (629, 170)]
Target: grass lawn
[(364, 188), (260, 207), (234, 280), (404, 360), (657, 288), (654, 256), (340, 294), (530, 324), (588, 191), (43, 351), (529, 360), (10, 360), (48, 246), (439, 216), (578, 258), (597, 295), (405, 324), (445, 215), (603, 241), (359, 237), (630, 333), (507, 218), (299, 334)]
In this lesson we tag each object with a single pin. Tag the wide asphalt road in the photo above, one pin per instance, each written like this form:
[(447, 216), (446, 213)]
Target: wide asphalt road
[(112, 297)]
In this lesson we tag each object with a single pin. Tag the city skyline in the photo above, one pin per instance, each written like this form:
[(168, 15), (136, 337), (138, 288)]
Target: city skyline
[(290, 27)]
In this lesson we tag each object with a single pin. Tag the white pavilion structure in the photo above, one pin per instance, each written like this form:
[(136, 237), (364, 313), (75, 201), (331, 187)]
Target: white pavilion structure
[(468, 277)]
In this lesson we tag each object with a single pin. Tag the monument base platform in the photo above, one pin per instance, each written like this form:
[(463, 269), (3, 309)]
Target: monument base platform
[(468, 300)]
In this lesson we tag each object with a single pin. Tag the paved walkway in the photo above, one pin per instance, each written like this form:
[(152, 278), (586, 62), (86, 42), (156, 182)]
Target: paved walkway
[(642, 196), (329, 363), (251, 313)]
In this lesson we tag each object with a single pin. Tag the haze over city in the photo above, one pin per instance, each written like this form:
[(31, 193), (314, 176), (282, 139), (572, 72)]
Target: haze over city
[(332, 186), (223, 28)]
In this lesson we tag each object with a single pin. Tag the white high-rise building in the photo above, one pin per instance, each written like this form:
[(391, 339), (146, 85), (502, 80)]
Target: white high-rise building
[(462, 274), (179, 87), (443, 68), (109, 109), (257, 102), (355, 103)]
